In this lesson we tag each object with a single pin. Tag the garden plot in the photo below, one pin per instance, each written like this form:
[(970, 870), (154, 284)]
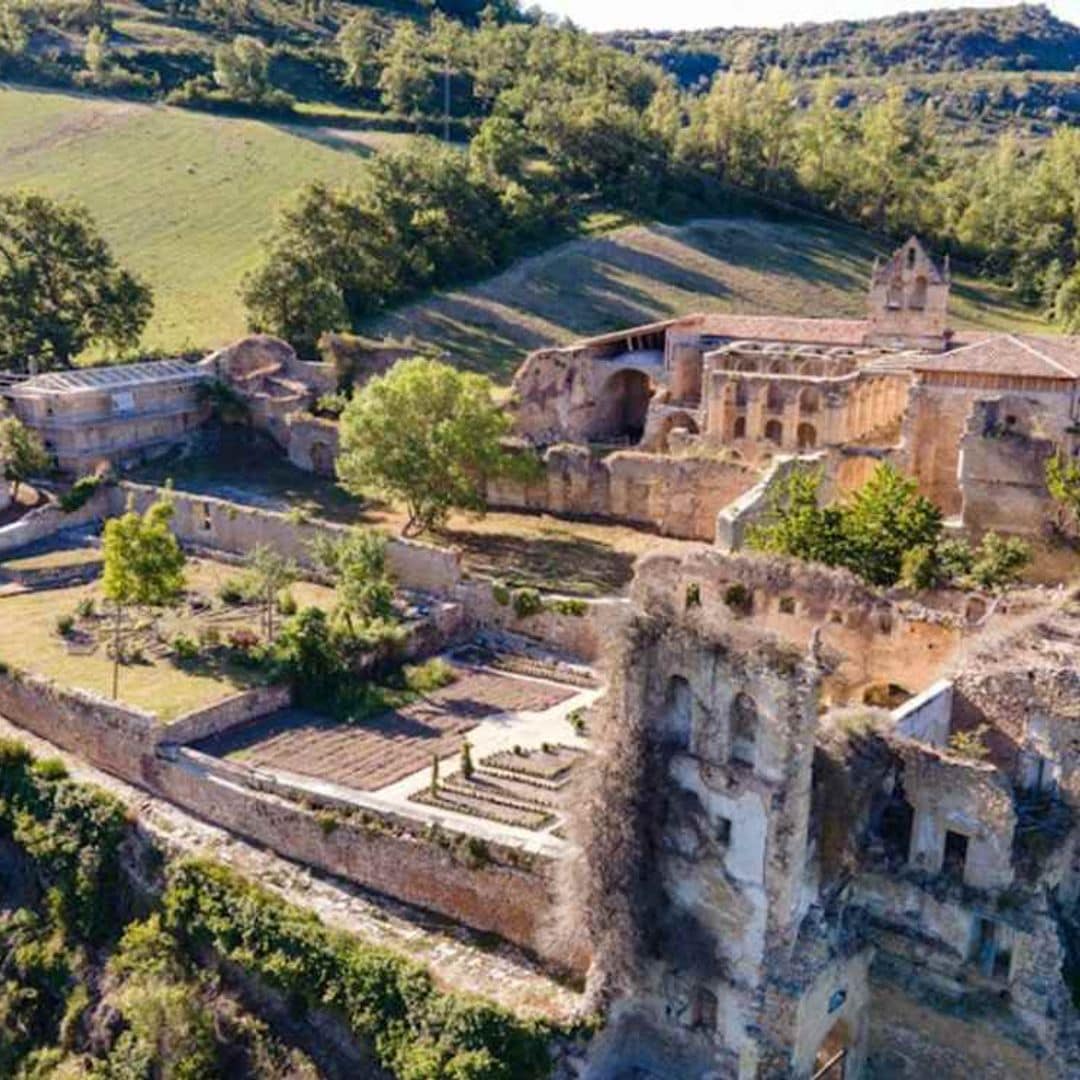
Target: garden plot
[(55, 622), (376, 751), (525, 788)]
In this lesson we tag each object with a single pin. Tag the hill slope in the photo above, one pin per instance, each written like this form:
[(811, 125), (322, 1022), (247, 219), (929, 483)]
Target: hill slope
[(184, 198), (1020, 38), (642, 273)]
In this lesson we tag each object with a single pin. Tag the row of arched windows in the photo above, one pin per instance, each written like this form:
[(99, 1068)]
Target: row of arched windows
[(743, 722)]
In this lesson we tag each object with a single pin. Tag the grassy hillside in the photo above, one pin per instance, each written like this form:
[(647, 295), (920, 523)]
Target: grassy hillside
[(640, 273), (183, 197)]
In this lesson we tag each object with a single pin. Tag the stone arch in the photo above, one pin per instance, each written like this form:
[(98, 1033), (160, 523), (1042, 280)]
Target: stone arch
[(622, 405), (774, 398), (774, 432), (744, 728), (742, 392), (739, 429), (677, 718), (806, 435), (682, 421), (833, 1052), (809, 399)]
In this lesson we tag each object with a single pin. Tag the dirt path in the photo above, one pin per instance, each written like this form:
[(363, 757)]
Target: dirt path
[(457, 959)]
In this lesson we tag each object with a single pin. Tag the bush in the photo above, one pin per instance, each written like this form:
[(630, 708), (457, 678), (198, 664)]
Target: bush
[(209, 636), (233, 592), (85, 607), (286, 603), (186, 648), (243, 640), (501, 593), (65, 624), (570, 606), (527, 602), (81, 492), (431, 675)]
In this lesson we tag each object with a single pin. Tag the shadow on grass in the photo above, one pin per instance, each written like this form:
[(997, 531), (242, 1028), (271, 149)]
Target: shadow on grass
[(571, 565)]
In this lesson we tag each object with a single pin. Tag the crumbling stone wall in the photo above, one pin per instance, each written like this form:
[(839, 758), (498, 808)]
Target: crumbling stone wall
[(677, 496)]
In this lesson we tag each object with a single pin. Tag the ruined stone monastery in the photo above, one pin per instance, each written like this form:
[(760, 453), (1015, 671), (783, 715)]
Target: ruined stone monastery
[(780, 861)]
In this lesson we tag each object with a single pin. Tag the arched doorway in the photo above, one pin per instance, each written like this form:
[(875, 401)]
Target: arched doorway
[(739, 430), (623, 403), (673, 422), (833, 1052), (807, 436), (774, 431)]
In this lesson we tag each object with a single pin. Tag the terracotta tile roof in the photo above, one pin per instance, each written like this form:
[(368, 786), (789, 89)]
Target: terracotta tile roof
[(1008, 354), (786, 329)]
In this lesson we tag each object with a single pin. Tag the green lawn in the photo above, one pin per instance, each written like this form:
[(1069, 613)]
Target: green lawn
[(183, 197)]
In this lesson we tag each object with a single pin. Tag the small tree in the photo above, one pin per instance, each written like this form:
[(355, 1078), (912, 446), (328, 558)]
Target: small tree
[(269, 573), (143, 565), (428, 435), (466, 760), (241, 69), (434, 774), (358, 46), (1063, 483), (22, 454), (357, 563)]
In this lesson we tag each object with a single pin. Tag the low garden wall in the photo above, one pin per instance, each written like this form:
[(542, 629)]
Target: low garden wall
[(223, 715), (48, 520), (489, 887), (215, 523)]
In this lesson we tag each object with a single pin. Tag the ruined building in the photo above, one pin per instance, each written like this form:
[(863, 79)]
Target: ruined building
[(745, 390), (807, 887)]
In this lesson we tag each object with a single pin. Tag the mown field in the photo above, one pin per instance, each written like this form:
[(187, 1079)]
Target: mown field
[(183, 197), (640, 273)]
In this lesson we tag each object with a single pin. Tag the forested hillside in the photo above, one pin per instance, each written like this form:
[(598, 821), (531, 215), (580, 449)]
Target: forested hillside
[(1021, 38)]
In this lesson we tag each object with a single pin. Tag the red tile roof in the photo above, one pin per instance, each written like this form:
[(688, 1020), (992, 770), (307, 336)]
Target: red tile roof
[(787, 329)]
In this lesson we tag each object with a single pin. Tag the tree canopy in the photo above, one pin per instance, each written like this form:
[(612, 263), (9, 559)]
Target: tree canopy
[(22, 454), (61, 289), (426, 435)]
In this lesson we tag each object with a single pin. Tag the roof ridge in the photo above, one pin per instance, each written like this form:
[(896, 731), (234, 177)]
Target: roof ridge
[(1042, 356)]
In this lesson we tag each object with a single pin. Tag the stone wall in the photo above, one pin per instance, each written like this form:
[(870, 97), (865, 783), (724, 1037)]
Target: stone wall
[(48, 520), (1002, 468), (373, 852), (233, 711), (677, 496), (214, 523), (313, 443)]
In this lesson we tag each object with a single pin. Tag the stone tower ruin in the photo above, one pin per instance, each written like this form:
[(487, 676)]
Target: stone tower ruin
[(909, 300)]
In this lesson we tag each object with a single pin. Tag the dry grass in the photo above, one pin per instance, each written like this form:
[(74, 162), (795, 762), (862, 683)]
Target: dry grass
[(29, 639)]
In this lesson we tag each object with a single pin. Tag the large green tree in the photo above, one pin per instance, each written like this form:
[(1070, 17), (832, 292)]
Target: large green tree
[(426, 435), (61, 289), (143, 566), (22, 454)]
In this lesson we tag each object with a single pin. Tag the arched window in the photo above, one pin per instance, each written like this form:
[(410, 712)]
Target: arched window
[(807, 436), (774, 398), (678, 701), (739, 430), (894, 298), (774, 431), (744, 725), (810, 400), (741, 393)]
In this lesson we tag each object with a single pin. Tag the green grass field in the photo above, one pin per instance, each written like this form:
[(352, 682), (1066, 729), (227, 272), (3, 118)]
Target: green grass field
[(183, 197), (637, 274)]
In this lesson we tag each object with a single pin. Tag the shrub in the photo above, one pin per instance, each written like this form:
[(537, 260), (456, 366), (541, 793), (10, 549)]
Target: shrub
[(209, 636), (186, 648), (81, 492), (467, 768), (243, 640), (693, 595), (998, 560), (85, 607), (501, 593), (233, 592), (528, 602), (970, 744), (576, 717), (570, 606), (431, 675), (65, 624), (286, 603)]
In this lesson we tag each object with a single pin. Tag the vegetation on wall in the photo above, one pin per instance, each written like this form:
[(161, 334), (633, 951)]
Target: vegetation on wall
[(105, 979), (885, 532)]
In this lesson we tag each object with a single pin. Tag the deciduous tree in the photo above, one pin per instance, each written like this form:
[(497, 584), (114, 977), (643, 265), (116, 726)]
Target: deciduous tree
[(22, 454), (61, 289)]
